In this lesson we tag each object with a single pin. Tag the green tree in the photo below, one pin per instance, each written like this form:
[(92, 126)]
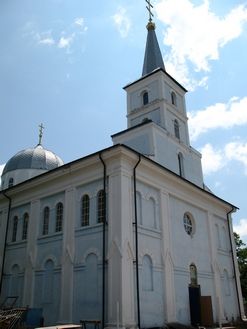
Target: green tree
[(241, 250)]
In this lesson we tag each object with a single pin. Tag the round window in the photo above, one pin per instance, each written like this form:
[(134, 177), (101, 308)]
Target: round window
[(188, 224)]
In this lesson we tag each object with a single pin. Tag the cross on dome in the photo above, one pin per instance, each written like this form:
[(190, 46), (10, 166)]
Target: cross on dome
[(41, 128)]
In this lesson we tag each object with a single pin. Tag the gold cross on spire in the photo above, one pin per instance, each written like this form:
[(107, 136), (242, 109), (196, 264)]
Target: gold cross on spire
[(149, 8), (41, 128)]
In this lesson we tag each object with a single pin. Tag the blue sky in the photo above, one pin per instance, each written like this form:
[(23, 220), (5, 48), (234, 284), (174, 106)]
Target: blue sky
[(64, 63)]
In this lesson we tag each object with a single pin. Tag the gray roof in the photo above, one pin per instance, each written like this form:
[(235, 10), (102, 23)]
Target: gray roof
[(33, 158), (153, 58)]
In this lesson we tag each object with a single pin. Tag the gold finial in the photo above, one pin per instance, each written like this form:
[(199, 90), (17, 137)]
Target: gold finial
[(41, 128), (149, 10), (151, 25)]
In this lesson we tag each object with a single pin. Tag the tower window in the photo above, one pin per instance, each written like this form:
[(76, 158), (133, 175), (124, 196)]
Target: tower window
[(181, 164), (46, 216), (11, 182), (25, 226), (176, 129), (101, 206), (173, 98), (15, 226), (145, 98), (85, 204), (59, 217)]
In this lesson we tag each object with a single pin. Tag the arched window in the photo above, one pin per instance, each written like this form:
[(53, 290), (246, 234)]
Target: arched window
[(173, 98), (25, 226), (59, 217), (46, 217), (101, 206), (176, 129), (85, 206), (193, 275), (11, 182), (15, 226), (188, 224), (145, 98), (181, 164), (147, 273)]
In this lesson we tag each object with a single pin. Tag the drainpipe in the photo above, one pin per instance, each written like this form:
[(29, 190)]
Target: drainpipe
[(233, 258), (136, 240), (103, 245), (5, 241)]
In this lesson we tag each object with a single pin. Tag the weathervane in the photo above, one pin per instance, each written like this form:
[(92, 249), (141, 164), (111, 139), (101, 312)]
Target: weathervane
[(149, 8), (41, 128)]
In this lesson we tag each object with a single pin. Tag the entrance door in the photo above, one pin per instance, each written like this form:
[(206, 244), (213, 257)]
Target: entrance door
[(195, 305), (206, 311)]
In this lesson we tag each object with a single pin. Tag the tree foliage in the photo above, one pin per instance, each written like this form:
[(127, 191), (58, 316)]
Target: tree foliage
[(241, 250)]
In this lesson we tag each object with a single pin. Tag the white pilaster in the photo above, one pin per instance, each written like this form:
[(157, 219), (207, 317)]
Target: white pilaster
[(216, 270), (31, 253), (66, 303), (239, 292), (121, 304), (170, 300)]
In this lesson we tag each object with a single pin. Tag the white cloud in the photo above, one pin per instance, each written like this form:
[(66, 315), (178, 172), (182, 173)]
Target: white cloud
[(212, 160), (62, 40), (220, 115), (122, 22), (65, 42), (80, 22), (237, 151), (47, 41), (241, 228), (215, 159), (45, 38), (196, 34)]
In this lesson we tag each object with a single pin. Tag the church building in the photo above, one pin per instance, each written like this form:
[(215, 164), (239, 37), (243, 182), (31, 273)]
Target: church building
[(128, 235)]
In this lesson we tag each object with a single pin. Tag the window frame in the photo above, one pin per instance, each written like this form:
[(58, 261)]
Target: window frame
[(15, 228), (193, 275), (189, 225), (25, 226), (176, 129), (85, 210), (101, 206), (145, 97), (181, 164), (10, 182), (59, 217), (46, 219), (174, 98)]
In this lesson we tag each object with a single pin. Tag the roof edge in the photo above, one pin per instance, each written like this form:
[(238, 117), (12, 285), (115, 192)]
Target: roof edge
[(61, 168), (153, 72)]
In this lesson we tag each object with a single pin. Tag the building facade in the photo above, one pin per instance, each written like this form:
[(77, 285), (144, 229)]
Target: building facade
[(129, 235)]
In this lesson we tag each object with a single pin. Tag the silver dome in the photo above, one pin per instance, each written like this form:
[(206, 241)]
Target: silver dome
[(33, 158)]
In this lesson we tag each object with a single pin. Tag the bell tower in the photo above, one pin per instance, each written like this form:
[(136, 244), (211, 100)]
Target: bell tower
[(156, 115)]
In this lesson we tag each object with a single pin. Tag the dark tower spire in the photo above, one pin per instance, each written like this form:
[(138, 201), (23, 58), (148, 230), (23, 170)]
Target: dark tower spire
[(153, 58)]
